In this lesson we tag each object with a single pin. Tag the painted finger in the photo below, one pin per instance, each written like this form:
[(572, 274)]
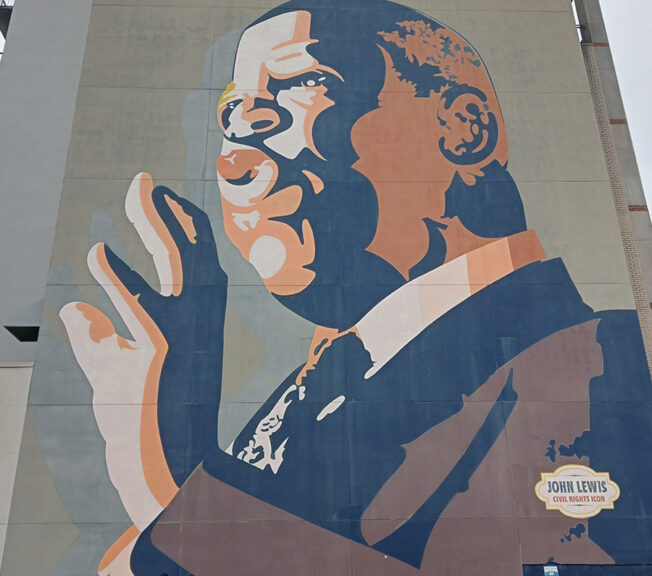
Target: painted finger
[(193, 235), (97, 347), (85, 323), (124, 286), (103, 264), (155, 235), (81, 333)]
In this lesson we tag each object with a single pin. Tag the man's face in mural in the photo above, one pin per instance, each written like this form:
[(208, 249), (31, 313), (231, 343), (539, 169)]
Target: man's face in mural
[(317, 138), (271, 172)]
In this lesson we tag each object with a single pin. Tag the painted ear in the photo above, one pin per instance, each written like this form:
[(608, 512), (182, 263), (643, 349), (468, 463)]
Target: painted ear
[(470, 127)]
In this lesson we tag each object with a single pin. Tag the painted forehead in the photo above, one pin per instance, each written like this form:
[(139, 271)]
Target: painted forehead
[(277, 46)]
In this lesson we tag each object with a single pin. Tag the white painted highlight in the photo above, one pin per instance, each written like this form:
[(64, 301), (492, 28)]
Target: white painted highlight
[(259, 451), (292, 141), (246, 221), (270, 47), (121, 565), (331, 407), (267, 256), (259, 46), (238, 126), (408, 311)]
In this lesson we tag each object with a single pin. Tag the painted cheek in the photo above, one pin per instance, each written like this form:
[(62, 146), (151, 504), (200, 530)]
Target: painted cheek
[(398, 141)]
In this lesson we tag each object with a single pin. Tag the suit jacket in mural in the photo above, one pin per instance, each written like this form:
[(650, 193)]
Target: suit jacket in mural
[(432, 461)]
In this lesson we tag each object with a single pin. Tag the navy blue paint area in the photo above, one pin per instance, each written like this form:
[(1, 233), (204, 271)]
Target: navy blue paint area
[(347, 457), (575, 532), (436, 254), (485, 133), (619, 442), (147, 560), (491, 208), (192, 324)]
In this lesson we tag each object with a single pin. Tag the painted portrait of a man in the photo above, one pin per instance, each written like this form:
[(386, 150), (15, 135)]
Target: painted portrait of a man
[(364, 176)]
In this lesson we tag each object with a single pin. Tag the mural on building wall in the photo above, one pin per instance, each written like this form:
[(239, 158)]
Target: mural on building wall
[(364, 176)]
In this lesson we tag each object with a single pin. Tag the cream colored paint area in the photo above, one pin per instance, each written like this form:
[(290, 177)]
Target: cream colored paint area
[(405, 313), (14, 388)]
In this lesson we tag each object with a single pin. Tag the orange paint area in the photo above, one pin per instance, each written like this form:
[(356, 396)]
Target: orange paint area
[(100, 326), (185, 220), (398, 143), (316, 181), (397, 146), (157, 474), (456, 61), (240, 162), (500, 258), (118, 546)]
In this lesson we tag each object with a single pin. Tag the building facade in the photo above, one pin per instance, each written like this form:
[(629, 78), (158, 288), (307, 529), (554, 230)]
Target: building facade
[(332, 288)]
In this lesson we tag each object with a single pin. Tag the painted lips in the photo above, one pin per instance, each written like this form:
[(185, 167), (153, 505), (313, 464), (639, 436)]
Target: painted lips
[(239, 165), (245, 175)]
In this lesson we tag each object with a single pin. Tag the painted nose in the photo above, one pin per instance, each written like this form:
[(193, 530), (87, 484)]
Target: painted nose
[(261, 119), (247, 117)]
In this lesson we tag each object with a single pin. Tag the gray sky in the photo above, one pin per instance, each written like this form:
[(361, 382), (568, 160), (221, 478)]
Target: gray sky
[(629, 24)]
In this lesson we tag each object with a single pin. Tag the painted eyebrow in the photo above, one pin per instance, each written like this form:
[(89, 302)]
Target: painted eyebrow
[(319, 69)]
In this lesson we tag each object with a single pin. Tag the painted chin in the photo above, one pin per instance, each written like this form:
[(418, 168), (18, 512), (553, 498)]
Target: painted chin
[(281, 258)]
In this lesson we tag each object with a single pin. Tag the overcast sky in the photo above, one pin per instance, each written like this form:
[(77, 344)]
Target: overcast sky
[(629, 24)]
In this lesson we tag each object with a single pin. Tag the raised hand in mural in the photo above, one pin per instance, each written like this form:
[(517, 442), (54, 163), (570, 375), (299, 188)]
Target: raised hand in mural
[(156, 394)]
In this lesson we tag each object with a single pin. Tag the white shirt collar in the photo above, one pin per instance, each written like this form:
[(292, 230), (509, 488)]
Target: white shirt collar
[(405, 313)]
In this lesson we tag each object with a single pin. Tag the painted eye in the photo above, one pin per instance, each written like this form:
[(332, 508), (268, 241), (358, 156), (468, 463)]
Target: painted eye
[(312, 82)]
